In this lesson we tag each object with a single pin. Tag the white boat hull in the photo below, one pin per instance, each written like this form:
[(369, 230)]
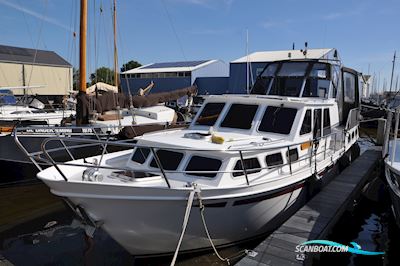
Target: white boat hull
[(145, 225)]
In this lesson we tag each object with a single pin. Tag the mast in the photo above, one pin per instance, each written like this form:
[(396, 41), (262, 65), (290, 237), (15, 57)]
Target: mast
[(82, 45), (115, 44), (391, 79), (247, 61), (82, 114)]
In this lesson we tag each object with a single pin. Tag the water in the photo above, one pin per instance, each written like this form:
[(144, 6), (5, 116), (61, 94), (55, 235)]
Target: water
[(370, 224), (56, 238)]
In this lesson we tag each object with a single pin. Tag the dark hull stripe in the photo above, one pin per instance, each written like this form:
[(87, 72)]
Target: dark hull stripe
[(264, 196), (270, 195)]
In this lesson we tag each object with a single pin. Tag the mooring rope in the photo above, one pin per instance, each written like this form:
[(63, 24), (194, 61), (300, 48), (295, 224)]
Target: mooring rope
[(185, 222), (193, 193), (202, 208)]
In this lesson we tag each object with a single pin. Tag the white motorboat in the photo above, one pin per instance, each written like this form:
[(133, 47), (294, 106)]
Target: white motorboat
[(391, 154), (247, 159), (12, 112)]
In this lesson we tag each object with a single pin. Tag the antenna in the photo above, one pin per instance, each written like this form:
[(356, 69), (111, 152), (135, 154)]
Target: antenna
[(305, 49), (391, 78), (247, 61), (293, 46)]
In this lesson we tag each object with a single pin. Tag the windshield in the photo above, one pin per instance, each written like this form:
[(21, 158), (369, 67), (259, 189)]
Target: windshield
[(293, 78)]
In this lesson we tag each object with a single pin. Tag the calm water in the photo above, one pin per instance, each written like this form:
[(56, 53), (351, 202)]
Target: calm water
[(58, 239)]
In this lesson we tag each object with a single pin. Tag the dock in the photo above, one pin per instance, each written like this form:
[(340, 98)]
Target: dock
[(316, 218)]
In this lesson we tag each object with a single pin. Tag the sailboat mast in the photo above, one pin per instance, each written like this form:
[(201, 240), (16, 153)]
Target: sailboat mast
[(82, 44), (247, 62), (391, 78), (115, 44), (82, 114)]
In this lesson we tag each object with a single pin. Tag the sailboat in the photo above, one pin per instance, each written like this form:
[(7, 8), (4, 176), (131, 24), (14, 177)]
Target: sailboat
[(241, 166), (131, 116)]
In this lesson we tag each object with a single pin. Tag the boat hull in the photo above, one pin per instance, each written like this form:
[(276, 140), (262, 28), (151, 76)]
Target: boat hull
[(146, 225), (393, 175)]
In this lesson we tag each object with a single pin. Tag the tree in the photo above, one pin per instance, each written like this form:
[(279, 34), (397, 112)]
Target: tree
[(130, 65), (75, 79), (102, 74)]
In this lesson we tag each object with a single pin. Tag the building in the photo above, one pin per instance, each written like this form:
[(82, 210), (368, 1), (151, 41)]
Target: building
[(30, 67), (258, 60), (210, 76)]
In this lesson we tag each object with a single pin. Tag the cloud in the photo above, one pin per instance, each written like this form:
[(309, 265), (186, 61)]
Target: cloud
[(35, 14)]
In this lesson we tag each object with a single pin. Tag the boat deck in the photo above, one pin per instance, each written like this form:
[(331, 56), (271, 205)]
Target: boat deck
[(315, 219)]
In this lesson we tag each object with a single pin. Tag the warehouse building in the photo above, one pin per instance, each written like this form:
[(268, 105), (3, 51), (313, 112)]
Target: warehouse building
[(29, 67), (258, 60), (210, 76)]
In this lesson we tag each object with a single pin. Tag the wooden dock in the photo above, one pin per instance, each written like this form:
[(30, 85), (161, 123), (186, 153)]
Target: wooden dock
[(315, 219)]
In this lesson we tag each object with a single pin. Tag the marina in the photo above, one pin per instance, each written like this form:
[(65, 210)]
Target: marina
[(278, 157)]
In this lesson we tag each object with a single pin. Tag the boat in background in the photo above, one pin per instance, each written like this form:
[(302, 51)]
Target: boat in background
[(246, 161), (391, 155)]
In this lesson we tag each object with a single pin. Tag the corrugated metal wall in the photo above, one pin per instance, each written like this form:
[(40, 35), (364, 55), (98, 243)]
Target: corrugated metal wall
[(56, 80)]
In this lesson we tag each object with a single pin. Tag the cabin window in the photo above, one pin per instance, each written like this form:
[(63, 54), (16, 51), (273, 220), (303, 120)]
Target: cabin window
[(252, 165), (335, 79), (264, 79), (327, 122), (289, 79), (349, 87), (293, 155), (240, 116), (169, 159), (317, 84), (306, 126), (200, 163), (277, 120), (140, 155), (274, 159), (210, 114), (317, 123)]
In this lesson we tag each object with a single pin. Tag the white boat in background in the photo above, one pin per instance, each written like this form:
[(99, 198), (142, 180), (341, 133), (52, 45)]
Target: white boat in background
[(391, 154), (29, 111), (245, 160)]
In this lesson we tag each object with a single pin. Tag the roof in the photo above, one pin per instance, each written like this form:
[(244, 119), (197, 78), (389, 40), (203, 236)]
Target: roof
[(270, 56), (181, 66), (31, 56)]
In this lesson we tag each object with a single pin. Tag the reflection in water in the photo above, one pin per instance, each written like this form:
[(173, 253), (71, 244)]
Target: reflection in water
[(372, 226), (60, 239)]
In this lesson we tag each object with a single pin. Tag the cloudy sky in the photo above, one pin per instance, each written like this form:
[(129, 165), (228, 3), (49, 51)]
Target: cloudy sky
[(366, 33)]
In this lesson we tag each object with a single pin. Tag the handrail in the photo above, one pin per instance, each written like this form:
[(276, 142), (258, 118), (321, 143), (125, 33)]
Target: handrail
[(35, 157)]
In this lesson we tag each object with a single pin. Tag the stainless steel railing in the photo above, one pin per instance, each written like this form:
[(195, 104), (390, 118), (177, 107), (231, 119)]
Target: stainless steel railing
[(333, 139)]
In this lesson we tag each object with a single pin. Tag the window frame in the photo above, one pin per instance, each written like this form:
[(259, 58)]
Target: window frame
[(152, 158), (252, 124), (276, 165), (240, 174), (146, 159), (311, 122), (262, 116), (217, 121), (189, 158)]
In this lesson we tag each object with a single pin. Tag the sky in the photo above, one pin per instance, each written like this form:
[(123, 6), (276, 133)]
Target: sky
[(365, 32)]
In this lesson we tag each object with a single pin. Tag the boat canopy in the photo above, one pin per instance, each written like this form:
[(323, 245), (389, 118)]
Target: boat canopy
[(297, 79)]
